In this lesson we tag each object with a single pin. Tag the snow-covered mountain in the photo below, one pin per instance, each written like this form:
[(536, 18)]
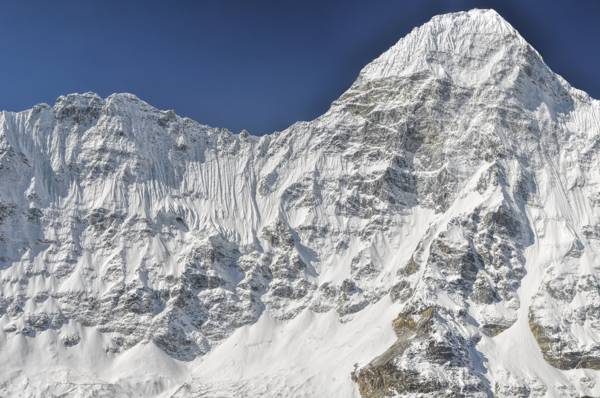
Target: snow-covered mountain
[(436, 233)]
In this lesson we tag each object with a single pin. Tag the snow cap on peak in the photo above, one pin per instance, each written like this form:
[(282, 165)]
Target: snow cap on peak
[(127, 103), (483, 19), (78, 105), (124, 97), (465, 46), (90, 105), (77, 99)]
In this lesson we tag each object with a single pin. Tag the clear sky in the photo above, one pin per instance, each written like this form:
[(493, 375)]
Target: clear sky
[(254, 64)]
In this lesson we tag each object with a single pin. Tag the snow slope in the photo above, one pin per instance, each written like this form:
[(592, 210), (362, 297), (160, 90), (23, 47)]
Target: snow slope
[(434, 233)]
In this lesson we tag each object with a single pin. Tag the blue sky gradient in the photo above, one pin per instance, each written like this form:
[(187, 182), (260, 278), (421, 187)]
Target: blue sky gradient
[(259, 65)]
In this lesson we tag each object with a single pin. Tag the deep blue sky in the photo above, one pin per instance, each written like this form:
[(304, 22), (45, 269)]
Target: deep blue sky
[(259, 65)]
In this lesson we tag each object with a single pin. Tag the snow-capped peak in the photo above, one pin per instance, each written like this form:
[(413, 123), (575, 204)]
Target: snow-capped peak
[(435, 233), (466, 47)]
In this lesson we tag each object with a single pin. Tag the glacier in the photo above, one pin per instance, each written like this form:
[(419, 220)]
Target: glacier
[(434, 234)]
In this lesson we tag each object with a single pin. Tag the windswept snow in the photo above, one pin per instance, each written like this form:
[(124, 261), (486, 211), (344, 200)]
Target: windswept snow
[(434, 233)]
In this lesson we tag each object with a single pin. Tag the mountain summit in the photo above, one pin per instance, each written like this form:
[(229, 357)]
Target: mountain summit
[(433, 234), (440, 47)]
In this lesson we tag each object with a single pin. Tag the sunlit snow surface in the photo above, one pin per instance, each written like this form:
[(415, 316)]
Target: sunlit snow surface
[(143, 254)]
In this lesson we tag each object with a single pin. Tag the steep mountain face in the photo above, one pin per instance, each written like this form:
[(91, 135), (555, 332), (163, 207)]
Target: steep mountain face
[(435, 233)]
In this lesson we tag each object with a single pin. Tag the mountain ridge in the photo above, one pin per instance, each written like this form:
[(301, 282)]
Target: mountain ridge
[(441, 213), (483, 17)]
